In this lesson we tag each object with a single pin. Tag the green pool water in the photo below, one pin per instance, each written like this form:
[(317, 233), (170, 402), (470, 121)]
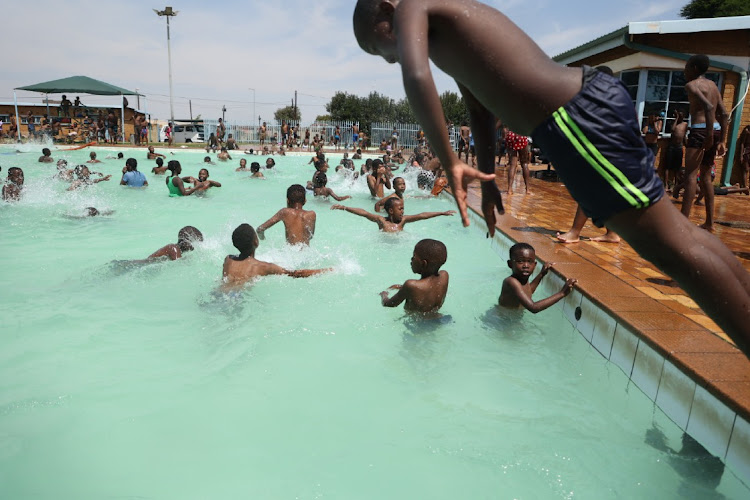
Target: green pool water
[(120, 382)]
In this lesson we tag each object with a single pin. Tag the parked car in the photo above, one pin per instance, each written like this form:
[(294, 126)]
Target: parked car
[(184, 133)]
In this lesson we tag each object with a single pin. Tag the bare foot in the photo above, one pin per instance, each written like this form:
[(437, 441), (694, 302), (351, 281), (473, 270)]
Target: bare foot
[(569, 237), (708, 228), (698, 203), (607, 238), (529, 192), (510, 192)]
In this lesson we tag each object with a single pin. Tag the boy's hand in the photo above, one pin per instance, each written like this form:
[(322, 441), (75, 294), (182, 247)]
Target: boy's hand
[(546, 268), (459, 177), (394, 287), (337, 207), (568, 286), (491, 199), (449, 212)]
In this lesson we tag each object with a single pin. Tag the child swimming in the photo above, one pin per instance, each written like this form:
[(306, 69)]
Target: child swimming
[(426, 294), (517, 290), (396, 219), (13, 184), (299, 224), (185, 239), (239, 269)]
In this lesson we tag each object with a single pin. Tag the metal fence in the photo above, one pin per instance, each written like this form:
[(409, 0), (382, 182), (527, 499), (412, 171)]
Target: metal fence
[(249, 133)]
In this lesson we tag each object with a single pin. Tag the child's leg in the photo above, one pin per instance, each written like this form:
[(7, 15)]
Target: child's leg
[(693, 158), (700, 263), (512, 166), (573, 236), (707, 191), (525, 172)]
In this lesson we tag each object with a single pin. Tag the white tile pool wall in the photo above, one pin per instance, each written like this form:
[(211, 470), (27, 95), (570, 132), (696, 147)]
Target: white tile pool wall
[(704, 417)]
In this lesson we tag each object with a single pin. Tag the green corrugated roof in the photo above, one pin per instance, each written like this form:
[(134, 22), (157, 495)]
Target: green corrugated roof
[(609, 36)]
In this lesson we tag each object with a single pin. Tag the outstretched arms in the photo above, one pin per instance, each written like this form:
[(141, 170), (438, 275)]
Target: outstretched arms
[(270, 222), (377, 219), (424, 216)]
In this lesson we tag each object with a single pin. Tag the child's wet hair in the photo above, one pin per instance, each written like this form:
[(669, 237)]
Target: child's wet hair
[(389, 203), (159, 161), (206, 159), (518, 247), (244, 239), (433, 251), (320, 180), (255, 167), (132, 163), (120, 155), (173, 165), (46, 152), (187, 235), (91, 211), (296, 193)]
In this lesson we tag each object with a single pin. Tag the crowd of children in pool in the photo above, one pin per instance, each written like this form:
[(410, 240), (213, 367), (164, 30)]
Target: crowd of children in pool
[(424, 295)]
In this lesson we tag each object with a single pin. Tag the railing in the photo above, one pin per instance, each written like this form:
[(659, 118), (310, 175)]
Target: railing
[(248, 133)]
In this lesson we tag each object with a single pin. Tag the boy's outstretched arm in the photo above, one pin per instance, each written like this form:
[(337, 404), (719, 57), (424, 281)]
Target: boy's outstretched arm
[(306, 273), (377, 219), (483, 128), (337, 197), (425, 215), (270, 222), (411, 29)]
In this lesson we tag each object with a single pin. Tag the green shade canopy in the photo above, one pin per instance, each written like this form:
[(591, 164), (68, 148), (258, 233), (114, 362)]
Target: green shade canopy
[(80, 84)]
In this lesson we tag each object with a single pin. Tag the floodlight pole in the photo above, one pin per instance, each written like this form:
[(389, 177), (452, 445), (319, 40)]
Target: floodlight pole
[(168, 12), (253, 103)]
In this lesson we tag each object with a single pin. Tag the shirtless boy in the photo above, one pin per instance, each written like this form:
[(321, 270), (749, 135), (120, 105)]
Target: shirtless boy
[(427, 294), (223, 155), (399, 186), (378, 178), (46, 156), (395, 221), (320, 179), (299, 224), (240, 269), (707, 137), (202, 182), (255, 169), (13, 185), (83, 175), (509, 76), (185, 238), (151, 154), (517, 290), (92, 158), (160, 168), (673, 160)]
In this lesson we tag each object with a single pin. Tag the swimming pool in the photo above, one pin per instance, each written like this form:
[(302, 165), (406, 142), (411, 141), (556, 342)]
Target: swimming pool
[(143, 382)]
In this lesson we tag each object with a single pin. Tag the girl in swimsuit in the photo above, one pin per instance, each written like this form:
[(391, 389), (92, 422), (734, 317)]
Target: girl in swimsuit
[(174, 182)]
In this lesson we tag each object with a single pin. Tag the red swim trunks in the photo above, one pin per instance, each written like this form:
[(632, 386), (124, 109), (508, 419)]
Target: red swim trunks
[(515, 141)]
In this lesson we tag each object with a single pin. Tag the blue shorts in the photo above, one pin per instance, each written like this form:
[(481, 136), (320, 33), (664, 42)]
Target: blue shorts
[(595, 145)]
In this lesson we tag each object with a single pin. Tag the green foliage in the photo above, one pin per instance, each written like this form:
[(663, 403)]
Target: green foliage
[(323, 118), (288, 113), (715, 8), (454, 107), (379, 108)]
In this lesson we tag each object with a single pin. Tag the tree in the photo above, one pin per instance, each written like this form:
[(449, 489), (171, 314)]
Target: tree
[(344, 107), (715, 8), (323, 118), (288, 113), (454, 107)]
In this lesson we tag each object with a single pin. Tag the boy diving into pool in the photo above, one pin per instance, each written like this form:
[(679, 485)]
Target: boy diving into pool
[(427, 294), (583, 119), (241, 268), (517, 290), (395, 221), (185, 238), (299, 224)]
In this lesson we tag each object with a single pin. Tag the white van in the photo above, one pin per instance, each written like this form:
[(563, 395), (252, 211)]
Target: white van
[(186, 132)]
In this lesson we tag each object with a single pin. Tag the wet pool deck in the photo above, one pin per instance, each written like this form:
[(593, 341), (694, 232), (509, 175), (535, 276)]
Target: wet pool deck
[(635, 293)]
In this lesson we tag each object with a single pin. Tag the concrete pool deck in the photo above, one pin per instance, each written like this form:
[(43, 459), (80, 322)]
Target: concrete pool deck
[(673, 333)]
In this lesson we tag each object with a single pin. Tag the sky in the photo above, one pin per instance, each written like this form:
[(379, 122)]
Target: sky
[(222, 50)]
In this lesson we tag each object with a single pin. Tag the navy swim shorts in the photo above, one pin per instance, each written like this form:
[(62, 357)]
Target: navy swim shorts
[(596, 147)]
